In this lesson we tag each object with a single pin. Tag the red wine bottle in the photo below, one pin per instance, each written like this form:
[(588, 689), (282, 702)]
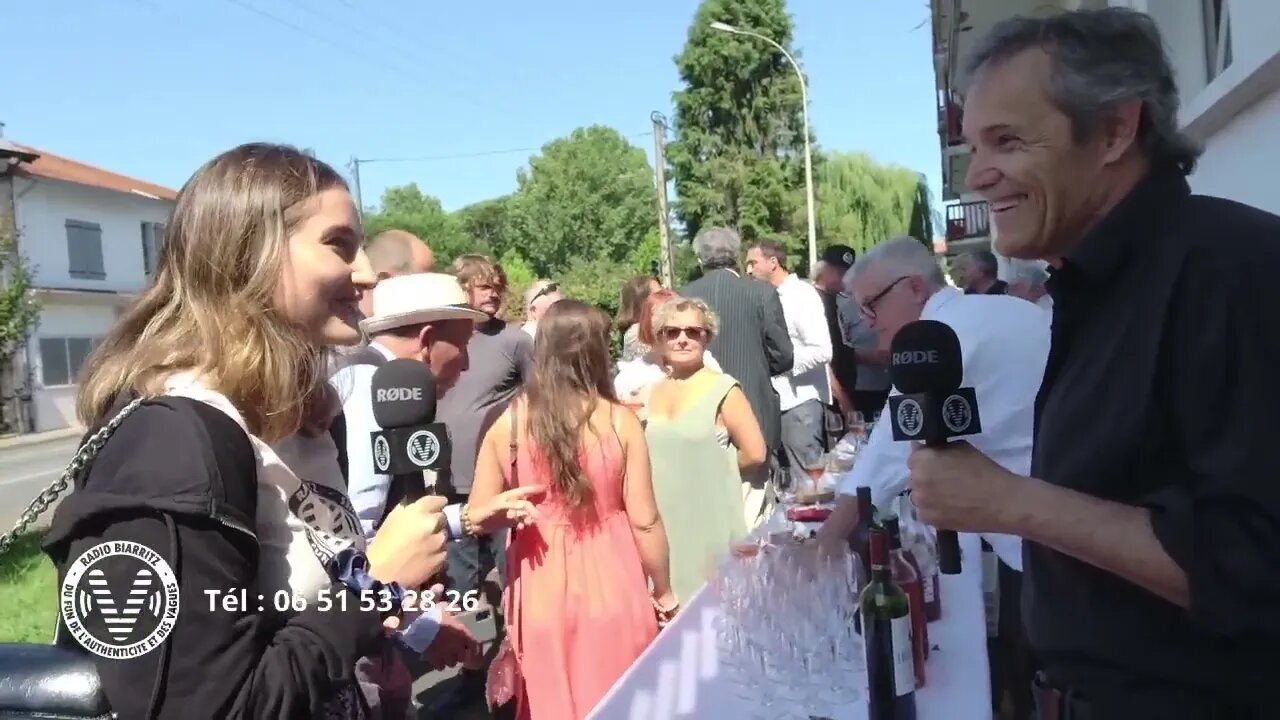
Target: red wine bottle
[(886, 639), (862, 531), (907, 576)]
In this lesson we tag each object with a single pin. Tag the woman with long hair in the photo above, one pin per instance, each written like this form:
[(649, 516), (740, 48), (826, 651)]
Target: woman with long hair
[(630, 304), (579, 609), (270, 594)]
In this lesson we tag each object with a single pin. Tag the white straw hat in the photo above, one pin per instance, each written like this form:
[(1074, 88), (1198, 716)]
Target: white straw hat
[(416, 299)]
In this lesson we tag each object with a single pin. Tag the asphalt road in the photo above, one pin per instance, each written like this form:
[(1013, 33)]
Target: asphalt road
[(26, 468)]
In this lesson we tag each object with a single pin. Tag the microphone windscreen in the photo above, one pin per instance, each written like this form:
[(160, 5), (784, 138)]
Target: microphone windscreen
[(926, 358), (404, 394)]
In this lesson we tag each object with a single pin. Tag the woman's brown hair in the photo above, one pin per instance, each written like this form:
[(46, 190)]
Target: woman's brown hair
[(631, 301), (213, 305), (571, 372), (646, 333)]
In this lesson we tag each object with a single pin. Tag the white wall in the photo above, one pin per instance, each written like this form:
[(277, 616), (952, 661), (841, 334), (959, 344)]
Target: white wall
[(53, 405), (1236, 115), (43, 208)]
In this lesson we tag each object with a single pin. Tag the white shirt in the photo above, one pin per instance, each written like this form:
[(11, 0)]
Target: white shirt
[(1004, 343), (367, 488), (1045, 302), (806, 318), (304, 517)]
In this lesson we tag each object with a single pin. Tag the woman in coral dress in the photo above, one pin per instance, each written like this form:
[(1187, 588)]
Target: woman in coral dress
[(579, 606)]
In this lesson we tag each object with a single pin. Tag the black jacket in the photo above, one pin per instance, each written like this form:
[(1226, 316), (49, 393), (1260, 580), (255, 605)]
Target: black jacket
[(752, 344), (179, 477)]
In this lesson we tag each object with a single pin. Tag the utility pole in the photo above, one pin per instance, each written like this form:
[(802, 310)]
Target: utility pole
[(665, 257), (354, 165)]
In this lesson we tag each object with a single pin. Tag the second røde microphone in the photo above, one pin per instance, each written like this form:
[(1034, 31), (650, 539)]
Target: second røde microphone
[(404, 406), (927, 368)]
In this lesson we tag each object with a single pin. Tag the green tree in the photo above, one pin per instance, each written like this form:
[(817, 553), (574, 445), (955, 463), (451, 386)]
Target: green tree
[(861, 203), (19, 311), (490, 224), (738, 154), (407, 208), (589, 195)]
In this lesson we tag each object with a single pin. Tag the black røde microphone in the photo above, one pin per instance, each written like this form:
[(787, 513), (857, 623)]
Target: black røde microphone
[(404, 406), (927, 369)]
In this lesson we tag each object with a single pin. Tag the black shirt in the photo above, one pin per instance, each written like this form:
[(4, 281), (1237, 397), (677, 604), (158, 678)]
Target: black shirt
[(844, 365), (1160, 391), (999, 287)]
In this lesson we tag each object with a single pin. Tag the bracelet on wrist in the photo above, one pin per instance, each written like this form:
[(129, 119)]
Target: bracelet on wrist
[(350, 567)]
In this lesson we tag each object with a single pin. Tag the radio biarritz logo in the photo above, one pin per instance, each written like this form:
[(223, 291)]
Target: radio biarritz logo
[(127, 616)]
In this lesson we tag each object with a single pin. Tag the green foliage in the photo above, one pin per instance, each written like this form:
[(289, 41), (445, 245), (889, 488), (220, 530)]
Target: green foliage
[(490, 223), (597, 281), (407, 208), (589, 195), (19, 310), (738, 156), (861, 203)]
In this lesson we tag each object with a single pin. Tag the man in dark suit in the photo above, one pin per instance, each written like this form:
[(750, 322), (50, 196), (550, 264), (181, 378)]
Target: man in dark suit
[(752, 345)]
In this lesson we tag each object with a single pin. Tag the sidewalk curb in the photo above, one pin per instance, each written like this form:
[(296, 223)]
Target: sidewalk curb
[(30, 439)]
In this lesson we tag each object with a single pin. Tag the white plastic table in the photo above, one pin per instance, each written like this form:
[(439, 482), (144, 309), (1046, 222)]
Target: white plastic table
[(679, 675)]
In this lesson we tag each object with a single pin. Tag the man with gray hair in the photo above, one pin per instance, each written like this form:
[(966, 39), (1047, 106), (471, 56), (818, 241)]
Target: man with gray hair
[(1004, 343), (1150, 513), (1027, 280), (976, 271), (752, 346)]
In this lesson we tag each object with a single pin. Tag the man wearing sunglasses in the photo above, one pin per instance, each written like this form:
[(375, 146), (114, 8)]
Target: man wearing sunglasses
[(540, 296)]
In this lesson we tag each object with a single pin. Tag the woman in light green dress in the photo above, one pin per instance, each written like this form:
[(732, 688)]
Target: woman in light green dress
[(702, 436)]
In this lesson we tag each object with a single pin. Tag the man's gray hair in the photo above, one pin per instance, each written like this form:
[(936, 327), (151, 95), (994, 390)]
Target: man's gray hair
[(1100, 58), (1031, 272), (903, 255), (717, 247)]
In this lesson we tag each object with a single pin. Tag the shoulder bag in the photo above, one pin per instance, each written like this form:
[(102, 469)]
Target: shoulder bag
[(58, 680), (504, 682)]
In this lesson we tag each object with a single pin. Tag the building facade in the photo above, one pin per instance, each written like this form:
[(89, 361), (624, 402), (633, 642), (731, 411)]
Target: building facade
[(92, 238), (1226, 56)]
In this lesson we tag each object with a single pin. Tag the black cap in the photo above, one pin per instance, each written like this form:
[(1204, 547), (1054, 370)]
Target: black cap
[(404, 394), (839, 255), (926, 357)]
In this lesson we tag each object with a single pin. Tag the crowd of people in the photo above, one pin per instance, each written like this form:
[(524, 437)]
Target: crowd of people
[(1129, 375)]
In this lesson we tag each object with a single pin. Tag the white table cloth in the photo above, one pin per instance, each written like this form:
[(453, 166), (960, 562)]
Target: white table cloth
[(679, 675)]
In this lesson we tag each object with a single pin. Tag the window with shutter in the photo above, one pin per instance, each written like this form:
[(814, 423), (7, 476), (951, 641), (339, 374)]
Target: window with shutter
[(84, 250), (61, 359), (1217, 30)]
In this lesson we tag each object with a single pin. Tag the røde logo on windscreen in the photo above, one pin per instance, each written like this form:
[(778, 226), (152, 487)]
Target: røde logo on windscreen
[(397, 394), (913, 357)]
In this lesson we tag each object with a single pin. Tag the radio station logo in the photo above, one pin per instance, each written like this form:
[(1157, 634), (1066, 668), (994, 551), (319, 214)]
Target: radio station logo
[(127, 616), (423, 448), (956, 413), (910, 417), (382, 454)]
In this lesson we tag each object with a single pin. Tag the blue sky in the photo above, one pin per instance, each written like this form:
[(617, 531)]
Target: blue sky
[(153, 88)]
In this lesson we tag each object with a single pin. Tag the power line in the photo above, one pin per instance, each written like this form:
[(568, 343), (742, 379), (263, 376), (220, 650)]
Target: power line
[(350, 50), (462, 156)]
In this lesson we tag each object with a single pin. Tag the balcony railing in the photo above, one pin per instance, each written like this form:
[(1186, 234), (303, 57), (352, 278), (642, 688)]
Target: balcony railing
[(949, 116), (968, 220)]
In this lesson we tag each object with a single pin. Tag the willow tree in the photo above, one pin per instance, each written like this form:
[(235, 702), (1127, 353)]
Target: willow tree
[(862, 203)]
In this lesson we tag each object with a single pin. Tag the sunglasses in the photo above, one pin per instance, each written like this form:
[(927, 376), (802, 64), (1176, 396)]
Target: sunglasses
[(546, 290), (671, 333)]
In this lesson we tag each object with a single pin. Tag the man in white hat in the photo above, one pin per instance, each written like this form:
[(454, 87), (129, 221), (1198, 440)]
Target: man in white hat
[(423, 317)]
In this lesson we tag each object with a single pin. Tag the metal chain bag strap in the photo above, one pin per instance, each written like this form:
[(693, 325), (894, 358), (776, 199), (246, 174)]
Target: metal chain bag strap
[(58, 680)]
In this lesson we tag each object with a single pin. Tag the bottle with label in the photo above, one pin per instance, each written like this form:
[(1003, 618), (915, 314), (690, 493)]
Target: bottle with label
[(920, 542), (886, 639), (906, 574)]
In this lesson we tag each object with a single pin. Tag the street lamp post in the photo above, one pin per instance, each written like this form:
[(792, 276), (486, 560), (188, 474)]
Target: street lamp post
[(808, 155)]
